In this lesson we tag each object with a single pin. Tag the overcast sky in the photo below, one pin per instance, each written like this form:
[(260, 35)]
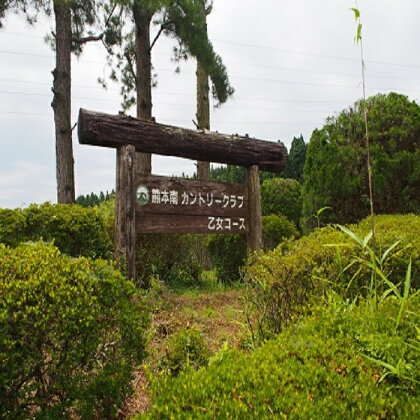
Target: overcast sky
[(292, 63)]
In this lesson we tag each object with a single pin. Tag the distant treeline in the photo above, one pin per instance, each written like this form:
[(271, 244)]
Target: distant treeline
[(93, 199)]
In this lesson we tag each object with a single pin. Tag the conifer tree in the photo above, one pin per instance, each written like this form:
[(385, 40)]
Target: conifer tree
[(72, 18), (203, 103), (130, 51), (296, 159)]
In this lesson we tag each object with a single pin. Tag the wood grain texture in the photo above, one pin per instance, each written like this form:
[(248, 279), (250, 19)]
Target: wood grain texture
[(149, 137), (255, 241), (125, 205), (228, 212), (169, 223), (205, 198)]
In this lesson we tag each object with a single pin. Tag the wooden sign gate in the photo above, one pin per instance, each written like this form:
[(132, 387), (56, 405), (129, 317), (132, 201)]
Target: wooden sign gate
[(155, 204)]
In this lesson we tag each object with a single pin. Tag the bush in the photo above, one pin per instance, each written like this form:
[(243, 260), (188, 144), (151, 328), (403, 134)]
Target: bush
[(71, 331), (89, 232), (75, 230), (12, 226), (320, 368), (186, 349), (282, 197), (228, 253), (276, 229), (283, 280), (175, 258)]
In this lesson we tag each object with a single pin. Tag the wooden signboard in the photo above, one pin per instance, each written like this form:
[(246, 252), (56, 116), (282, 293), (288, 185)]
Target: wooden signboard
[(174, 205)]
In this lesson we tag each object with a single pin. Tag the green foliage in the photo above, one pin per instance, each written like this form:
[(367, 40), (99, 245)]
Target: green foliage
[(319, 368), (282, 197), (296, 159), (287, 278), (335, 173), (84, 14), (75, 230), (175, 258), (12, 226), (183, 20), (71, 332), (235, 174), (229, 173), (92, 199), (228, 253), (186, 350), (276, 229)]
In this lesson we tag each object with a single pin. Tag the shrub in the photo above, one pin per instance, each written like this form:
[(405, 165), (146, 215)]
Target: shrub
[(12, 226), (320, 368), (282, 197), (284, 279), (75, 230), (228, 255), (276, 229), (186, 349), (89, 232), (228, 252), (175, 258), (71, 331)]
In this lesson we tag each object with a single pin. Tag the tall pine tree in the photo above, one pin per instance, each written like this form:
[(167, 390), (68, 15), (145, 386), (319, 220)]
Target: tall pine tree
[(296, 159), (203, 103), (72, 18), (130, 51)]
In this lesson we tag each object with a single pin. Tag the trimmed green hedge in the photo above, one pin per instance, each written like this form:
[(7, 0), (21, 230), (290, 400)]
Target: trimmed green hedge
[(285, 279), (71, 332), (75, 230), (320, 368)]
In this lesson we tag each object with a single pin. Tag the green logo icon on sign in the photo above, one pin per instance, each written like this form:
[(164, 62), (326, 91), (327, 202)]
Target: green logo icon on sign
[(142, 195)]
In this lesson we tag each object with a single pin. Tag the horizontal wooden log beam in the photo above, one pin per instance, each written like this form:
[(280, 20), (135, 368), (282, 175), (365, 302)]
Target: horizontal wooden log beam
[(146, 136)]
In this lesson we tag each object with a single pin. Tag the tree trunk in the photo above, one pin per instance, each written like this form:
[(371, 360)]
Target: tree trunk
[(203, 108), (203, 115), (125, 207), (62, 104), (148, 136), (142, 20), (255, 241)]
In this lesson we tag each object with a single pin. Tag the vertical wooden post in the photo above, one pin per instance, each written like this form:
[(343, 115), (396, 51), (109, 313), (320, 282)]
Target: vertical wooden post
[(255, 243), (125, 209)]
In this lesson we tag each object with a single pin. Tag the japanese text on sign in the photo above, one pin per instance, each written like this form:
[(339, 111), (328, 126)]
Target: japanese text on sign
[(226, 223), (190, 199)]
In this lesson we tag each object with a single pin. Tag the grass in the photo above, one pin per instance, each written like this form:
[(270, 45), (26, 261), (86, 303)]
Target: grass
[(217, 311)]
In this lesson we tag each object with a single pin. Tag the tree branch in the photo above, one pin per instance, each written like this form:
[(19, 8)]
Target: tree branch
[(87, 39), (130, 65), (93, 38), (162, 28)]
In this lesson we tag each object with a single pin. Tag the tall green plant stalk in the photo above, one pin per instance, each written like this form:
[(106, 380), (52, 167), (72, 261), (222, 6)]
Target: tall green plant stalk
[(359, 41)]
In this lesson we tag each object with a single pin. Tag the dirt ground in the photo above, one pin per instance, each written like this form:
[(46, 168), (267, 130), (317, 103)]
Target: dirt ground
[(220, 316)]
